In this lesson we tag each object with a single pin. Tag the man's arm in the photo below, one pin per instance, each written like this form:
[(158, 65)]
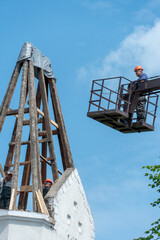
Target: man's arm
[(143, 77)]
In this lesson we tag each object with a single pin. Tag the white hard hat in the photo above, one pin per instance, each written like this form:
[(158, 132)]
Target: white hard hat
[(10, 172)]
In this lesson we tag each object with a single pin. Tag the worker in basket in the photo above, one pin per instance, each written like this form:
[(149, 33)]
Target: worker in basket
[(140, 107)]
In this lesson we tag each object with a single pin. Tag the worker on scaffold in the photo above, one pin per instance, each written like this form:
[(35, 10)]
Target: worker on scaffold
[(140, 107), (47, 185), (5, 190)]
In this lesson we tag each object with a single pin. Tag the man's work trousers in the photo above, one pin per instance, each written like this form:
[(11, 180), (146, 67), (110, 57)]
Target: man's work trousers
[(4, 203), (140, 108)]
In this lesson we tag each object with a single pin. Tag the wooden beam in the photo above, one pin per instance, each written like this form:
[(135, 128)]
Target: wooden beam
[(11, 204), (46, 160), (27, 188), (10, 155), (19, 132), (28, 142), (9, 94), (47, 123), (11, 112), (11, 149), (43, 159), (1, 171), (20, 164), (34, 146), (42, 114), (41, 204), (27, 122), (63, 138), (44, 133), (23, 198), (44, 146)]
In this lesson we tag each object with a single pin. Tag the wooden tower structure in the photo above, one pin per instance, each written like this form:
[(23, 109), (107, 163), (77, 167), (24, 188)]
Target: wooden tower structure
[(40, 149)]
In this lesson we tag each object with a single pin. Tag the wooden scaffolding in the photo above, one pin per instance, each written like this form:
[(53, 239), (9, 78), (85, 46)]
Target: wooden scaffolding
[(35, 163)]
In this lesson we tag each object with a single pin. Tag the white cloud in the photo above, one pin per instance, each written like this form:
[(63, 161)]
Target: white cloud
[(139, 48)]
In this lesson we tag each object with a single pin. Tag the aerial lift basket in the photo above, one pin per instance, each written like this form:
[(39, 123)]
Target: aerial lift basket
[(113, 103)]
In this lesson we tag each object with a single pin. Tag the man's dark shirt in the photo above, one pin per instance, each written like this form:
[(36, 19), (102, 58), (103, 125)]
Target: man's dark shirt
[(45, 190)]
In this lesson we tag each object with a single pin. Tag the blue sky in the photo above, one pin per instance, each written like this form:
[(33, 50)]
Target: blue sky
[(86, 40)]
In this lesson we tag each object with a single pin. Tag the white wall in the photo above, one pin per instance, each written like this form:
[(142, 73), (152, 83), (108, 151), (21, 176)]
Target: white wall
[(68, 205), (71, 211), (20, 225)]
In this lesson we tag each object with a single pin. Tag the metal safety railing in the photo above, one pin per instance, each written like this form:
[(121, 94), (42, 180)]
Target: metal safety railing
[(115, 93), (104, 98)]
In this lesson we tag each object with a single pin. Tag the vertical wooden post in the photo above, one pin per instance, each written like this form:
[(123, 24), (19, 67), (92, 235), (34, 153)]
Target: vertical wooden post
[(27, 168), (47, 124), (44, 146), (22, 204), (34, 146), (11, 149), (65, 147), (9, 94), (19, 132), (2, 172)]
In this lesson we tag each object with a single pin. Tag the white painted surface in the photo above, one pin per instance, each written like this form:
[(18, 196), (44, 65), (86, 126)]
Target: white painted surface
[(72, 213), (73, 218), (18, 225)]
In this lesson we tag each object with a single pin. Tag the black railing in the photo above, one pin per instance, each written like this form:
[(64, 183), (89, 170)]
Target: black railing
[(115, 93)]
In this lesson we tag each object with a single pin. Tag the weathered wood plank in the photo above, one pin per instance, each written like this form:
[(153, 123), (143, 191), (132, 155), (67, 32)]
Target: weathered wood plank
[(27, 168), (27, 188), (63, 138), (1, 171), (11, 148), (19, 132), (41, 204), (11, 204), (42, 114), (44, 153), (44, 147), (9, 94), (20, 164), (27, 122), (11, 112), (35, 163), (47, 123), (44, 133), (28, 142), (46, 160)]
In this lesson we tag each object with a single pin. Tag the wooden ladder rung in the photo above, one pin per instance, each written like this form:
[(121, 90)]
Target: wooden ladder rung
[(51, 121), (28, 142), (27, 122), (46, 160), (20, 164), (44, 133), (28, 162), (27, 188), (15, 111)]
